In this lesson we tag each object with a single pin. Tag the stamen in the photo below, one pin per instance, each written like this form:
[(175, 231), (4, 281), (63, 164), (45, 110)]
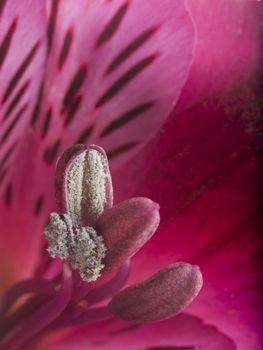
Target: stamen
[(94, 185), (88, 186), (21, 314), (82, 245), (87, 252), (53, 270), (162, 296), (74, 187), (58, 233), (38, 286), (108, 289), (86, 316), (126, 228), (44, 315)]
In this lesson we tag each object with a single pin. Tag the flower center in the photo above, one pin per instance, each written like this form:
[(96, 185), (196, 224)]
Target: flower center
[(88, 223)]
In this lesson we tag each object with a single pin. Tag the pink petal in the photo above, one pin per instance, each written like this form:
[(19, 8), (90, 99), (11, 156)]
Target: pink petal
[(206, 175), (99, 81), (208, 187), (74, 77), (22, 56), (183, 332), (126, 228), (228, 45), (205, 171)]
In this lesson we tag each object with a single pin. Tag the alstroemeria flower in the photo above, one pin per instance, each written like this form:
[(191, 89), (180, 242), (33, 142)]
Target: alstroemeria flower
[(109, 72)]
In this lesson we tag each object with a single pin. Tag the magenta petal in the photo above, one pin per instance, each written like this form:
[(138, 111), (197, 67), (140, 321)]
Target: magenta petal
[(205, 170), (21, 218), (228, 46), (208, 182), (206, 175), (99, 81), (182, 332), (126, 228), (22, 58)]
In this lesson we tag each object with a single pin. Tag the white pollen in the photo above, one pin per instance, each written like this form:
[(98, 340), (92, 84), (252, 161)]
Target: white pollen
[(58, 233), (87, 179), (94, 184), (87, 253), (82, 245), (74, 188)]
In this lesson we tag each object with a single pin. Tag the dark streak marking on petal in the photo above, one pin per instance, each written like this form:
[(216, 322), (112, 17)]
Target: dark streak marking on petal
[(121, 149), (7, 155), (65, 49), (8, 195), (38, 205), (7, 41), (13, 124), (130, 49), (74, 87), (20, 71), (83, 138), (46, 123), (16, 99), (75, 105), (37, 106), (127, 117), (51, 153), (125, 79), (52, 23), (2, 5), (112, 27)]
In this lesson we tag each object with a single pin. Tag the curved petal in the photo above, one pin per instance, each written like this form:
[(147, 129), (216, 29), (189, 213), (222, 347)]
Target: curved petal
[(228, 45), (208, 184), (205, 171), (22, 58), (207, 180), (99, 82), (183, 332)]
